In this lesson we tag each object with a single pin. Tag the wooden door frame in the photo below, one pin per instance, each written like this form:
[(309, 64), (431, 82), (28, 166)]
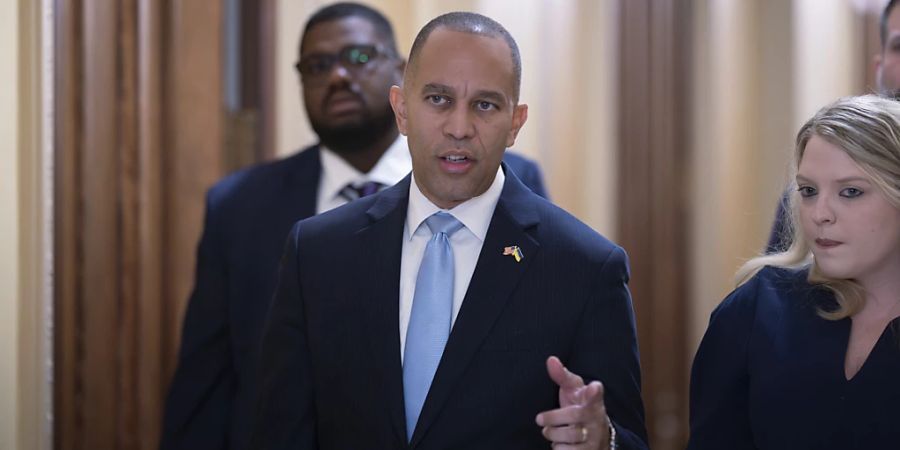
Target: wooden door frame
[(653, 157), (138, 120)]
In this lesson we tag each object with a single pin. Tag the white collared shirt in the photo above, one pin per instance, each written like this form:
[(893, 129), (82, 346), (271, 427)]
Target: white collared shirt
[(475, 214), (338, 173)]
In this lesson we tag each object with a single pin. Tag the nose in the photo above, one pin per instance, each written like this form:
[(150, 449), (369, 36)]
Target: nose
[(459, 125), (823, 212), (338, 75)]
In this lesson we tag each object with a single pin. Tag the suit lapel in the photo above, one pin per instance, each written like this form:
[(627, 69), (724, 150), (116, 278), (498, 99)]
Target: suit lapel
[(381, 244), (496, 276)]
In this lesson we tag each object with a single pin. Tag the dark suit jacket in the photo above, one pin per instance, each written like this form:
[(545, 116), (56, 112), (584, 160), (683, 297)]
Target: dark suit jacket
[(248, 216), (330, 368), (780, 237)]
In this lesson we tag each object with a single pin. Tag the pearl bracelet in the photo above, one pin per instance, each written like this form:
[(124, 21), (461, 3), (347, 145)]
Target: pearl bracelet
[(613, 445)]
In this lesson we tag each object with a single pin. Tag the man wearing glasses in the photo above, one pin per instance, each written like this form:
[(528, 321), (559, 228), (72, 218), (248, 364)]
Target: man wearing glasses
[(348, 62)]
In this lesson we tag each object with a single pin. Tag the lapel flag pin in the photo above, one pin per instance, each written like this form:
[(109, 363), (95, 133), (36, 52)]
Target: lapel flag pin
[(515, 251)]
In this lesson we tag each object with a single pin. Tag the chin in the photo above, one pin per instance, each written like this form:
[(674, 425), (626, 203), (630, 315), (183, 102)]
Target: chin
[(835, 270)]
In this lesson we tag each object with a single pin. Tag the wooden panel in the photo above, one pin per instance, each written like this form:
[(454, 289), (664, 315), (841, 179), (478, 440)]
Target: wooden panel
[(129, 263), (67, 284), (150, 333), (250, 18), (99, 232), (267, 80), (193, 95), (138, 126), (652, 229)]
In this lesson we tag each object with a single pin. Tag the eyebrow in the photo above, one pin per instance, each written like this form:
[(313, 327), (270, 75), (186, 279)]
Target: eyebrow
[(437, 88), (840, 180)]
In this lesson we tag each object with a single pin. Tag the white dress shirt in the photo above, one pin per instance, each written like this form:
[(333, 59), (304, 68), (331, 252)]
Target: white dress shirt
[(338, 173), (475, 215)]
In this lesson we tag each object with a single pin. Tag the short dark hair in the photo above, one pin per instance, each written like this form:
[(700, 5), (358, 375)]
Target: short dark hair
[(472, 23), (349, 9), (884, 21)]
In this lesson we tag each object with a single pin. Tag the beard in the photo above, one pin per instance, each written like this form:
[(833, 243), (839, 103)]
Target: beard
[(355, 137)]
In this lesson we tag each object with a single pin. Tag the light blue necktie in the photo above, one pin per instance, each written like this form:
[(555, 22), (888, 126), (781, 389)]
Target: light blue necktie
[(429, 321)]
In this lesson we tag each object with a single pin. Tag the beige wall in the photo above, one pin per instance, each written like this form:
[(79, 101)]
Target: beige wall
[(571, 127), (24, 385), (827, 65), (569, 57), (9, 222)]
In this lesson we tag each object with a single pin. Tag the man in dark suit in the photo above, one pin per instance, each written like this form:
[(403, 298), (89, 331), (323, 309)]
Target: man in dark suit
[(469, 292), (348, 62)]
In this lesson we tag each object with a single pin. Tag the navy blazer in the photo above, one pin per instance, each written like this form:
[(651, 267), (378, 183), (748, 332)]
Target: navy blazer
[(248, 216), (769, 374), (331, 376)]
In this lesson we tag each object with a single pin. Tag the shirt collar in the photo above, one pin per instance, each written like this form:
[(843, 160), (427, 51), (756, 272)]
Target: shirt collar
[(337, 173), (475, 213)]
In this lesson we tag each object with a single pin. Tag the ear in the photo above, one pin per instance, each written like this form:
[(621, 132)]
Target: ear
[(520, 115), (398, 103)]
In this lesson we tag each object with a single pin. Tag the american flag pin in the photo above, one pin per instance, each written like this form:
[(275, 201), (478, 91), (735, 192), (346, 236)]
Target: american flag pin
[(515, 251)]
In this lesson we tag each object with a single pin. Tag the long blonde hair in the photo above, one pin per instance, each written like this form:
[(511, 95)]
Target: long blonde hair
[(867, 128)]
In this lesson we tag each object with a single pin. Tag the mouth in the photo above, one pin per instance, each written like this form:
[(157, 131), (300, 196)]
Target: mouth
[(343, 102), (456, 163), (827, 243)]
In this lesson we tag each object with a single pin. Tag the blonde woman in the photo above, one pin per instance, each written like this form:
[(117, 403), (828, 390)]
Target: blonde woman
[(805, 353)]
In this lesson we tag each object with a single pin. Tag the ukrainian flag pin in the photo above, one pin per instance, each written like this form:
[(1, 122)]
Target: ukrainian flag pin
[(515, 251)]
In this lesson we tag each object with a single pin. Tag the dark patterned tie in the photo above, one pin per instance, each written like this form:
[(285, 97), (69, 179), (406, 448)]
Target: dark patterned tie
[(351, 192)]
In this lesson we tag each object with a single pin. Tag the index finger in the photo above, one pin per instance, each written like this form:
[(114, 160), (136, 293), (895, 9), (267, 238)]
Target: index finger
[(561, 376)]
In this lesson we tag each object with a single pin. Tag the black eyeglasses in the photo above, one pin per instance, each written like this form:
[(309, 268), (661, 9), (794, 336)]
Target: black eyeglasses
[(352, 57)]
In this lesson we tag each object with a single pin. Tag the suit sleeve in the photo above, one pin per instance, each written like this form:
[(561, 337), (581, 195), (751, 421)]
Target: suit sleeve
[(199, 401), (607, 351), (719, 378), (285, 410)]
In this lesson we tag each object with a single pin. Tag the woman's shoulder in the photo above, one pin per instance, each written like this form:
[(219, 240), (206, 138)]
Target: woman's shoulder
[(783, 278), (771, 287)]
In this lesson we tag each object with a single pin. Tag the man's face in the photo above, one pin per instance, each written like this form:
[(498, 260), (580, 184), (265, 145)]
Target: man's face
[(347, 102), (887, 64), (459, 112)]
